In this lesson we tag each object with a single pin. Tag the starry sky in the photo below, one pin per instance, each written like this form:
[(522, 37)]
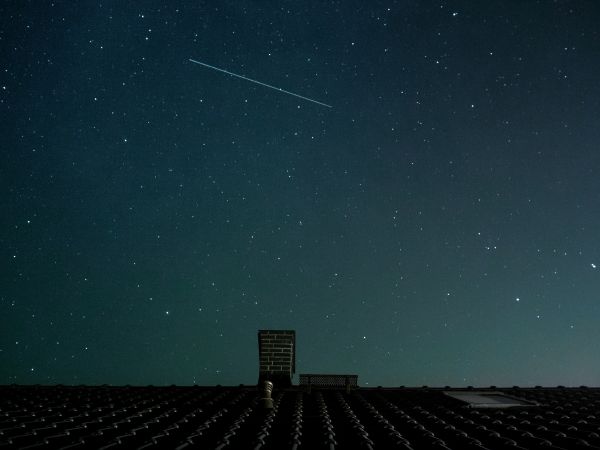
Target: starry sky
[(439, 225)]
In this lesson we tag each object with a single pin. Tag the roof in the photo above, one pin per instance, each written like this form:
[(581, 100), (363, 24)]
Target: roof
[(231, 417)]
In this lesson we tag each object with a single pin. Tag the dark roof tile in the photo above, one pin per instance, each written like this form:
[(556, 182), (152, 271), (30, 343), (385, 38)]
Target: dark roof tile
[(232, 417)]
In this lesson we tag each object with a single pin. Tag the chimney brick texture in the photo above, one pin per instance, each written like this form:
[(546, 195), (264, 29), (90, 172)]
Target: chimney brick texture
[(277, 356)]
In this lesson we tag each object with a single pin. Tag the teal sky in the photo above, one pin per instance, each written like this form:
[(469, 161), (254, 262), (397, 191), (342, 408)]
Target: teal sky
[(438, 225)]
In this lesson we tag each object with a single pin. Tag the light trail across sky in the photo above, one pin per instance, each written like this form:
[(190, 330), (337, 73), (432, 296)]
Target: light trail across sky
[(261, 83)]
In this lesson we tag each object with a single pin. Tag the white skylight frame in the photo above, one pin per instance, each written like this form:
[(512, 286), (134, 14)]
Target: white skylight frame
[(489, 399)]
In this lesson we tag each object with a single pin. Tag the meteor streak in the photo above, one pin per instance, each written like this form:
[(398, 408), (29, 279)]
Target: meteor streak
[(261, 83)]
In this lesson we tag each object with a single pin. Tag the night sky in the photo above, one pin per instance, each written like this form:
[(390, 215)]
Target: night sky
[(439, 225)]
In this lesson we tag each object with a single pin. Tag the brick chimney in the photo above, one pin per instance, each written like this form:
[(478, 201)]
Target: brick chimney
[(277, 356)]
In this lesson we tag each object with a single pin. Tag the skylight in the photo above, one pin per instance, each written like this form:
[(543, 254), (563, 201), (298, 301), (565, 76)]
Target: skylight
[(488, 399)]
